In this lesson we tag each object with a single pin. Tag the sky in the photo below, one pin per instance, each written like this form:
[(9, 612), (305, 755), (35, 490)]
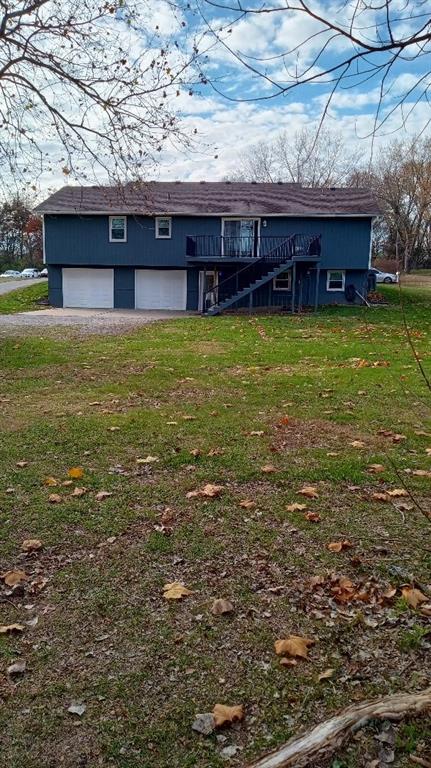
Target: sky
[(241, 103)]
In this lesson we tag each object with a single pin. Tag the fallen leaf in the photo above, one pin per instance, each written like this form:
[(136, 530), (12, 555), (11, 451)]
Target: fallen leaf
[(395, 492), (256, 433), (55, 498), (11, 578), (380, 496), (113, 429), (414, 597), (421, 472), (221, 606), (77, 492), (284, 421), (7, 629), (309, 491), (216, 452), (428, 451), (148, 460), (357, 444), (312, 517), (326, 675), (189, 418), (18, 668), (209, 491), (288, 662), (295, 507), (50, 481), (375, 468), (22, 464), (338, 546), (175, 591), (77, 708), (101, 495), (268, 468), (195, 452), (247, 504), (31, 545), (224, 715), (76, 473), (294, 645)]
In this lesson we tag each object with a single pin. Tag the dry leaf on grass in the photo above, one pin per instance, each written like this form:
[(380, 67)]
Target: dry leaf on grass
[(113, 429), (413, 597), (357, 444), (12, 578), (247, 504), (216, 452), (221, 606), (284, 421), (55, 498), (312, 517), (22, 464), (31, 545), (396, 492), (268, 469), (175, 591), (295, 507), (208, 491), (224, 715), (195, 452), (338, 546), (148, 460), (380, 496), (77, 492), (375, 468), (256, 433), (75, 473), (326, 675), (18, 668), (8, 629), (101, 495), (309, 491), (50, 482), (421, 472), (294, 645)]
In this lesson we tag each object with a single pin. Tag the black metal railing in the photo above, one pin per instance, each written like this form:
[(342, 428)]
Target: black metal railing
[(273, 248)]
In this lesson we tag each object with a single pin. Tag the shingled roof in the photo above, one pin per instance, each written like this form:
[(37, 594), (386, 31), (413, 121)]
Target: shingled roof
[(212, 198)]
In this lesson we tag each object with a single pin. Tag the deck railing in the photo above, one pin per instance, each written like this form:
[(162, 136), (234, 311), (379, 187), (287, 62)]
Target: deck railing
[(273, 248)]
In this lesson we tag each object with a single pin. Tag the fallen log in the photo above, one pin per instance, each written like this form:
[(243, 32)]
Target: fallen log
[(330, 734)]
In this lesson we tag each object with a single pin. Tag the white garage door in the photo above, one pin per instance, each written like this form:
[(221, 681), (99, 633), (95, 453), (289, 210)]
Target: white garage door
[(93, 288), (160, 289)]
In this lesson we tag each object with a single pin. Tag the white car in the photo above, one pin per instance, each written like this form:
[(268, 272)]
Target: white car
[(384, 277), (30, 272), (43, 272), (11, 273)]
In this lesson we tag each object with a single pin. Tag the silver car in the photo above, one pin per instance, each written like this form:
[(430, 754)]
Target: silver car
[(11, 273), (384, 277), (30, 272)]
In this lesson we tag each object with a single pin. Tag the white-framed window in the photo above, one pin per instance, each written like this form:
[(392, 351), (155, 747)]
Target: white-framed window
[(335, 279), (163, 227), (118, 229), (283, 281)]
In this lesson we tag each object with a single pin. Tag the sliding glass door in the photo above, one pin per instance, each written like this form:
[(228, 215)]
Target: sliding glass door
[(240, 237)]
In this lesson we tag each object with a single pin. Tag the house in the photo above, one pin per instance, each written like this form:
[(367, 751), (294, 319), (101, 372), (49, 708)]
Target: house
[(207, 246)]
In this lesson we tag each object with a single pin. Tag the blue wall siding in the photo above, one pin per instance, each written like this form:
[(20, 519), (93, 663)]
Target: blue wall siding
[(124, 288), (55, 286), (84, 240)]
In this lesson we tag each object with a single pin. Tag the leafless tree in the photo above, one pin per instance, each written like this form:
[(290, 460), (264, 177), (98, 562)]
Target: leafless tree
[(363, 44), (85, 85), (322, 161)]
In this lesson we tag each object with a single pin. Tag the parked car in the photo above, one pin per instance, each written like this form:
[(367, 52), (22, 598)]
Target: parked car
[(43, 272), (11, 273), (384, 277), (30, 272)]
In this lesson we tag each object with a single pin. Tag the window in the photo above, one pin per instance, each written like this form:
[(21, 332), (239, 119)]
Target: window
[(163, 227), (283, 281), (117, 229), (335, 279)]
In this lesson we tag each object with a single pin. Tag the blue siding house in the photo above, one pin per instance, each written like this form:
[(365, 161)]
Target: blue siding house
[(207, 246)]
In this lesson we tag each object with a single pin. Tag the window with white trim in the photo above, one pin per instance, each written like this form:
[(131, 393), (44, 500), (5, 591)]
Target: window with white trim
[(335, 279), (118, 229), (283, 281), (163, 227)]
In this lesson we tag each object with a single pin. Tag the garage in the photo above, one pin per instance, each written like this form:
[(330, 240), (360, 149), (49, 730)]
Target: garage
[(88, 288), (160, 289)]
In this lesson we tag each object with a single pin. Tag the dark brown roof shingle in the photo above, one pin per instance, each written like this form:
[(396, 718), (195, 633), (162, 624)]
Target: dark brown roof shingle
[(212, 198)]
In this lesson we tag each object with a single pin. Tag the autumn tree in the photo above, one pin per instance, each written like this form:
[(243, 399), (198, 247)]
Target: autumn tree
[(20, 235), (85, 86), (312, 161)]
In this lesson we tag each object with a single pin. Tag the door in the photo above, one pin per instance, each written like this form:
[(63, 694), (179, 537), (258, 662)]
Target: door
[(240, 237), (160, 289), (88, 288), (208, 293)]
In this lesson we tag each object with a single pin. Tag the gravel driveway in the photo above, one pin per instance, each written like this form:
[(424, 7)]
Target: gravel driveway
[(86, 320)]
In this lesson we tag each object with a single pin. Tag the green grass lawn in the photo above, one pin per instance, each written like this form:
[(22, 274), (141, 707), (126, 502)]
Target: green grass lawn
[(24, 299), (318, 398)]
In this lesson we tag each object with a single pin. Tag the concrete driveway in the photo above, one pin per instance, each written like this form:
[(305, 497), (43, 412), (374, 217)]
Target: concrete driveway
[(86, 320), (11, 285)]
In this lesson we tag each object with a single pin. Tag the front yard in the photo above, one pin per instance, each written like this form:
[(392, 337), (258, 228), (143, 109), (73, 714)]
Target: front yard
[(262, 408)]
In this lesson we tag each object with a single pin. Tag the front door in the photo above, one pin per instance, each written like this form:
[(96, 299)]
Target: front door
[(208, 291)]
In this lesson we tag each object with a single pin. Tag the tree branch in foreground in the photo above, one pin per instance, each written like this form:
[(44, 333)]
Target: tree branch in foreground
[(300, 750)]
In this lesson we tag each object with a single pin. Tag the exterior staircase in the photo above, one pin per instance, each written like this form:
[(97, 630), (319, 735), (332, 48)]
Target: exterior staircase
[(217, 309)]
